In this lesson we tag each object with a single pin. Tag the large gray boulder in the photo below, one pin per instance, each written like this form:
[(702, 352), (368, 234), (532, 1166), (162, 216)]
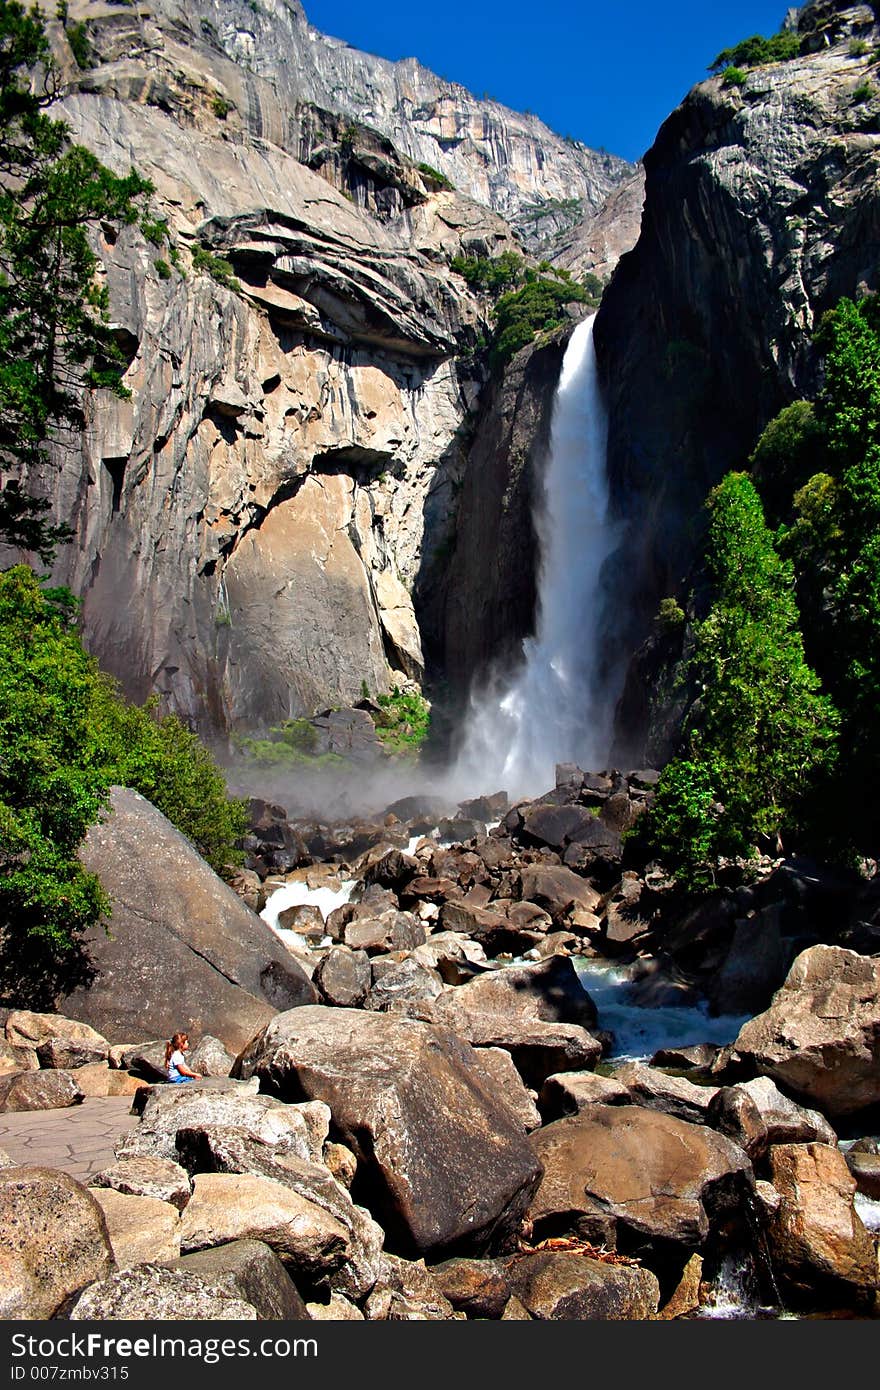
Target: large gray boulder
[(55, 1241), (249, 1270), (442, 1164), (168, 1110), (820, 1037), (648, 1173), (152, 1293), (182, 950), (539, 1013)]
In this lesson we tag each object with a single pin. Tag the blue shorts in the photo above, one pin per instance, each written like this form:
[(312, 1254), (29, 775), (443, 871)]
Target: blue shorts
[(175, 1080)]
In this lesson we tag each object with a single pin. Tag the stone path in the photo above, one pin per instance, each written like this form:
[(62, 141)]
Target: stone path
[(79, 1139)]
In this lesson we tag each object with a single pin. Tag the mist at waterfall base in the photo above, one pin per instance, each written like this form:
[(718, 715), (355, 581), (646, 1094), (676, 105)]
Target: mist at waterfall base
[(555, 706)]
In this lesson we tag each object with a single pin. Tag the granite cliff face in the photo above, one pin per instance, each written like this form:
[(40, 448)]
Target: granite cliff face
[(252, 524), (762, 209), (273, 68)]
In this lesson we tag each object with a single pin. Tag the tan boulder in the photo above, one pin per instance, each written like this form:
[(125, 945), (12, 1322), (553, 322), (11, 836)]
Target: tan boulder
[(820, 1037), (159, 1178), (27, 1029), (141, 1229), (55, 1241), (818, 1242), (566, 1286), (98, 1079), (233, 1206), (39, 1090), (649, 1173)]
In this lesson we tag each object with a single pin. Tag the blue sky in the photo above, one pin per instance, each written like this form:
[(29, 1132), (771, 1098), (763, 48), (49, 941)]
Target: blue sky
[(605, 74)]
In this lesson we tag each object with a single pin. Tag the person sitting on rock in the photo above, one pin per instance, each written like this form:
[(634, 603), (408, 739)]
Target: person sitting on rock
[(175, 1064)]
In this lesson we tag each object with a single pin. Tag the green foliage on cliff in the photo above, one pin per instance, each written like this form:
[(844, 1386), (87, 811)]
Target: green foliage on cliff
[(752, 52), (217, 267), (538, 307), (404, 720), (66, 735), (759, 734), (54, 335), (491, 274), (528, 299), (434, 176)]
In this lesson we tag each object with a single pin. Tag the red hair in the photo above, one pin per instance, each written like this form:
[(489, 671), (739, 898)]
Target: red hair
[(176, 1042)]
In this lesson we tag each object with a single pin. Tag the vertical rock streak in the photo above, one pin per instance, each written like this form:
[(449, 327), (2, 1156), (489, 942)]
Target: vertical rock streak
[(556, 708)]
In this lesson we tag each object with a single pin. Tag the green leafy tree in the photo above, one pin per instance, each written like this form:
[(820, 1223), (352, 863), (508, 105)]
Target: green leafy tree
[(66, 736), (54, 336), (759, 734)]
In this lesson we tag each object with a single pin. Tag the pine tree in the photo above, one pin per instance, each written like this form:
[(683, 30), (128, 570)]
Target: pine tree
[(54, 338)]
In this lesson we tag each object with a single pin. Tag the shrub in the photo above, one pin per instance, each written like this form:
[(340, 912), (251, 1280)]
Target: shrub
[(535, 308), (734, 77), (221, 107), (864, 92), (78, 38), (754, 51), (491, 275), (163, 269), (404, 720), (858, 48), (155, 229), (215, 266), (434, 176)]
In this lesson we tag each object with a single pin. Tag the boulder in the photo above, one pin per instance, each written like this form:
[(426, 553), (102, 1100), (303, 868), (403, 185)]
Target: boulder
[(159, 1178), (98, 1080), (820, 1037), (477, 1288), (217, 1150), (305, 919), (140, 1228), (407, 1292), (818, 1244), (754, 967), (17, 1058), (565, 1286), (30, 1030), (405, 980), (687, 1295), (249, 1270), (235, 1206), (336, 1309), (69, 1055), (151, 1293), (210, 1057), (506, 1084), (569, 1092), (441, 1163), (786, 1121), (865, 1168), (557, 826), (55, 1241), (622, 1168), (39, 1090), (538, 1013), (341, 1163), (202, 960), (344, 977), (674, 1095), (168, 1110), (557, 889), (735, 1114), (699, 1057)]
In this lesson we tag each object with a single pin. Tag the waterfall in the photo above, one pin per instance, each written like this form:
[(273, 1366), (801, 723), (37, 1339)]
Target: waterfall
[(554, 708)]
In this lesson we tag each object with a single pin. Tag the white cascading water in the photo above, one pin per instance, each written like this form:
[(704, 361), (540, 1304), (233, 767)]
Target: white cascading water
[(553, 708)]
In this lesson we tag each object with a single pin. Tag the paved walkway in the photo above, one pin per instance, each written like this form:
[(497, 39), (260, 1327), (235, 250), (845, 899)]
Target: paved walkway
[(79, 1139)]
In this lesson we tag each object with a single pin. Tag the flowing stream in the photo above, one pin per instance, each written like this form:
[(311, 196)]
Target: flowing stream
[(554, 708)]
